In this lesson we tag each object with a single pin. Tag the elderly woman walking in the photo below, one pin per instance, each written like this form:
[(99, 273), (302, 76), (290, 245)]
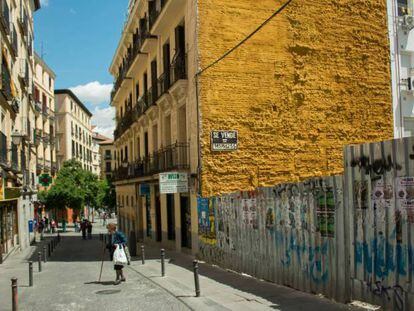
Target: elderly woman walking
[(116, 248)]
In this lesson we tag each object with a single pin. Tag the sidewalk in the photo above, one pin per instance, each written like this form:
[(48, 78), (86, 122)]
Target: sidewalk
[(222, 289)]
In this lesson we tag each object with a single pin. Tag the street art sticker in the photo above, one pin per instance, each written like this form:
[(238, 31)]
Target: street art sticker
[(206, 219), (325, 213), (405, 196)]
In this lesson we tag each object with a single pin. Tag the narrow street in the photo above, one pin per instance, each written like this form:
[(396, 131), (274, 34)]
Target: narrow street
[(68, 281)]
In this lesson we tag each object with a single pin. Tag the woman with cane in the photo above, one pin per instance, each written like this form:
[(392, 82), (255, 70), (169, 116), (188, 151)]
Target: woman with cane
[(116, 248)]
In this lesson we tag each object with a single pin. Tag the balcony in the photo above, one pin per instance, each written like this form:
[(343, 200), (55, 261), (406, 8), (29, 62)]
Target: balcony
[(108, 157), (163, 83), (46, 138), (5, 16), (178, 69), (14, 41), (171, 158), (6, 82), (45, 111), (47, 166), (124, 123), (40, 164), (51, 116), (38, 107)]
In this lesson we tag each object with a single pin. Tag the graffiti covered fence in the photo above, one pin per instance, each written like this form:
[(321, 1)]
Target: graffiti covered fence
[(347, 237)]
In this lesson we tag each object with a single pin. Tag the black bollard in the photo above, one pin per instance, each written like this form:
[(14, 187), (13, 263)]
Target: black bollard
[(196, 279), (30, 273), (1, 253), (49, 250), (14, 293), (58, 237), (143, 254), (44, 254), (39, 257), (162, 262)]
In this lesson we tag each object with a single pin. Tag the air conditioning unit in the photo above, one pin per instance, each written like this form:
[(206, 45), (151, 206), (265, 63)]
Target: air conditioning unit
[(407, 22)]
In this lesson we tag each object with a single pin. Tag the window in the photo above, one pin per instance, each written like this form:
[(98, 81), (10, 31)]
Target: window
[(127, 200), (108, 167), (73, 148), (403, 7)]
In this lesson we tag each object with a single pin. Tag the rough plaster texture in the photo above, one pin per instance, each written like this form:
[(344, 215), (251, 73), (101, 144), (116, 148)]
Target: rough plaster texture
[(311, 81)]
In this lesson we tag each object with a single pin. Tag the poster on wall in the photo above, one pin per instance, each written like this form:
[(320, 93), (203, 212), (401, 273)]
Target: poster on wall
[(206, 220), (381, 196), (405, 196), (250, 212)]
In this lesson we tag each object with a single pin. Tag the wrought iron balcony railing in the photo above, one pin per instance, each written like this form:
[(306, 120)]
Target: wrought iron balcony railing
[(163, 83), (6, 82), (155, 12), (174, 157), (178, 69)]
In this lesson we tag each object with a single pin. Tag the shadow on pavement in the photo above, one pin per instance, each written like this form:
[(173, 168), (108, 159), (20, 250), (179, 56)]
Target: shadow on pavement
[(101, 283)]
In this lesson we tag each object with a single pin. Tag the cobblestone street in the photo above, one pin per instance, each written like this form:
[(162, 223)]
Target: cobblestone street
[(68, 281)]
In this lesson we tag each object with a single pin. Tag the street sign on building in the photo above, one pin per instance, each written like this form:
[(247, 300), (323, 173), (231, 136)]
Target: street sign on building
[(224, 140), (144, 189), (173, 182)]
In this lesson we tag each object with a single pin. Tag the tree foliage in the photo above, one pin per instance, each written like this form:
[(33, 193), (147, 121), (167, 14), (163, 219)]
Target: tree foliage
[(73, 187)]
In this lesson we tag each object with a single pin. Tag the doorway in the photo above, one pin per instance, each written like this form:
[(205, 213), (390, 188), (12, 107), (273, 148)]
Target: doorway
[(185, 221), (158, 215), (170, 217)]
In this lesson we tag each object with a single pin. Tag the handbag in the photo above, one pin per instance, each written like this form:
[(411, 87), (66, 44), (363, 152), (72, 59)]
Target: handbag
[(119, 257)]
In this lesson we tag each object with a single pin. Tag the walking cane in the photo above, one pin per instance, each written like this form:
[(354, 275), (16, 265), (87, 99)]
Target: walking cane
[(103, 256)]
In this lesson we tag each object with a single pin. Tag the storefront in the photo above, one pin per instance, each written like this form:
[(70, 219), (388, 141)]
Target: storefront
[(8, 226)]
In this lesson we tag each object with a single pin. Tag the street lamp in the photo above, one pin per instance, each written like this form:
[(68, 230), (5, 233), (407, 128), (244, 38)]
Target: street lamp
[(17, 138)]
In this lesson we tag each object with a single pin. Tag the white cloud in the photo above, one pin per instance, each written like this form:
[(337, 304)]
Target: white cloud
[(103, 118), (44, 2), (93, 93)]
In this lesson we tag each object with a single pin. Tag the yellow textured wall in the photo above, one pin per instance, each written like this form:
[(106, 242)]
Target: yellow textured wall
[(311, 81)]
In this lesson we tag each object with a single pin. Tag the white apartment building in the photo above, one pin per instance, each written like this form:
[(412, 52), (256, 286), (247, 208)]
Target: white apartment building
[(97, 139), (73, 129), (401, 31)]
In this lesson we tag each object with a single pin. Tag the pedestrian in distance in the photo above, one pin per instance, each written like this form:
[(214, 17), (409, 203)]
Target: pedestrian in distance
[(104, 219), (83, 227), (47, 224), (116, 248), (89, 228), (64, 224)]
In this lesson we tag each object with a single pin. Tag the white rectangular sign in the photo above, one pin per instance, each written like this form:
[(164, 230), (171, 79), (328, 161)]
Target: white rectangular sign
[(173, 182)]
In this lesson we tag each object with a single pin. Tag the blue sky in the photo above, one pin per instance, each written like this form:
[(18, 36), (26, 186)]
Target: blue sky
[(79, 38)]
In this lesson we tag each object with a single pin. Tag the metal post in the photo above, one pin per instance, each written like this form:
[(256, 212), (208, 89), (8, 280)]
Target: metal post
[(44, 254), (196, 279), (143, 254), (14, 293), (49, 250), (41, 236), (39, 257), (1, 254), (58, 237), (162, 262), (30, 273)]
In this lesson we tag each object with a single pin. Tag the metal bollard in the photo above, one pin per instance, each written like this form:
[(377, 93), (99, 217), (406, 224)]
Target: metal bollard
[(49, 250), (44, 254), (58, 237), (14, 293), (196, 279), (143, 254), (39, 257), (30, 273), (162, 262)]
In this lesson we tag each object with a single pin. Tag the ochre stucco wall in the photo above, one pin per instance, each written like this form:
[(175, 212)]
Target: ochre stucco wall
[(311, 81)]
